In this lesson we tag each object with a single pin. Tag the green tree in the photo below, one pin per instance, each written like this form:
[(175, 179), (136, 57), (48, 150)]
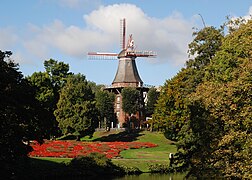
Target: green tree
[(206, 43), (197, 136), (57, 71), (45, 94), (42, 82), (48, 85), (131, 104), (152, 97), (105, 105), (76, 111), (96, 87), (130, 100), (18, 117), (225, 96), (172, 109)]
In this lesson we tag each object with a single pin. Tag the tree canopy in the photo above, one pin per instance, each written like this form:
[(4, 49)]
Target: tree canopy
[(207, 105), (225, 94), (172, 110), (48, 85), (76, 111), (105, 105), (152, 97), (130, 102), (19, 117), (57, 72)]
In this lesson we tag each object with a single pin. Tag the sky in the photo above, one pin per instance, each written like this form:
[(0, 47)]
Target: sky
[(66, 30)]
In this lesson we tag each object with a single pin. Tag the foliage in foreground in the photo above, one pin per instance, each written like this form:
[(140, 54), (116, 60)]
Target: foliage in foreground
[(172, 110), (19, 118), (207, 106), (92, 166), (161, 168)]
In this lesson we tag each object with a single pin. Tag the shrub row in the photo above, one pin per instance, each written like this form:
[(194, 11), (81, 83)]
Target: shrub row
[(92, 166)]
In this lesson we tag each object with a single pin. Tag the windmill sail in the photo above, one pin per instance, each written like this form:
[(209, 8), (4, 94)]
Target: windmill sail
[(102, 56), (127, 74), (123, 33)]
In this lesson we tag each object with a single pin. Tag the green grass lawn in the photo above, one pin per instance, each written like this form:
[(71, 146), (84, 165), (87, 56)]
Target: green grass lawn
[(52, 159), (140, 158), (161, 152), (99, 134), (143, 157)]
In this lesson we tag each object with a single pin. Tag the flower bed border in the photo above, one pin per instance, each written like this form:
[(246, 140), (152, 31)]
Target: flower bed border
[(71, 149)]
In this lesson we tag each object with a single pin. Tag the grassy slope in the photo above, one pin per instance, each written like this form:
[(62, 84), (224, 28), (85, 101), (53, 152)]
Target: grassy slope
[(54, 160), (140, 158)]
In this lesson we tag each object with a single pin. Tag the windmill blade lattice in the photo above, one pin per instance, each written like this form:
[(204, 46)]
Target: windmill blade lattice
[(102, 56)]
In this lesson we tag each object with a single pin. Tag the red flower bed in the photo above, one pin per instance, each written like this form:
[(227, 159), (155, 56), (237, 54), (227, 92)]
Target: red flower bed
[(71, 149)]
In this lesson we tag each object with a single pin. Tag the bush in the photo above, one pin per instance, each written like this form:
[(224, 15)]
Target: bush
[(160, 168), (94, 164), (101, 159), (130, 170)]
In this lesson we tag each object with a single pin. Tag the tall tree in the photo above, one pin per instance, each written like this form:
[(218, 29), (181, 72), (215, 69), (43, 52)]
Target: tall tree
[(18, 118), (76, 111), (131, 105), (130, 102), (96, 87), (206, 43), (172, 109), (105, 105), (45, 94), (225, 96), (152, 97), (48, 85), (57, 71)]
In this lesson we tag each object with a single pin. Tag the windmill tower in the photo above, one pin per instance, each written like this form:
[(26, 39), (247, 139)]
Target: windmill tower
[(127, 74)]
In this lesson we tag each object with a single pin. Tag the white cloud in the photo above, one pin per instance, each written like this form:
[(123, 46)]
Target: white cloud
[(249, 15), (246, 17), (169, 37)]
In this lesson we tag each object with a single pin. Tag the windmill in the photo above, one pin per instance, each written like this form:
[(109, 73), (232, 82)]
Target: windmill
[(127, 74)]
